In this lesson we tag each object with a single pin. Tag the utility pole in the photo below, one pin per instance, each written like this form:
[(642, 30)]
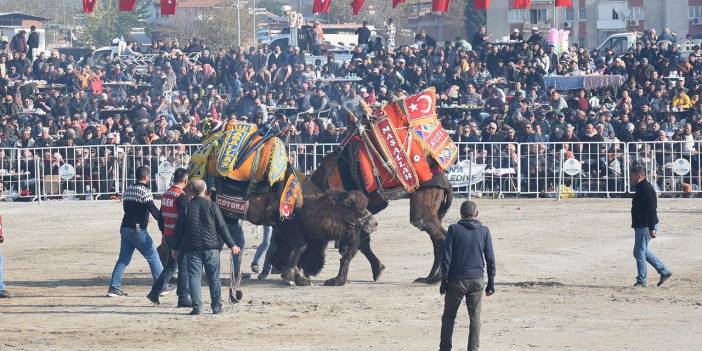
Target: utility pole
[(254, 23), (238, 23)]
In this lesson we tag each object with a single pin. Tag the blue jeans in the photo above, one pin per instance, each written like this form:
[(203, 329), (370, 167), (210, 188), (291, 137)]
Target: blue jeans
[(173, 266), (643, 255), (237, 233), (140, 240), (265, 243), (2, 281), (194, 261)]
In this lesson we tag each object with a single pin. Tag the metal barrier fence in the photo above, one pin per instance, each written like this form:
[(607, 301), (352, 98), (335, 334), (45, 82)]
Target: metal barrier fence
[(670, 165), (489, 169)]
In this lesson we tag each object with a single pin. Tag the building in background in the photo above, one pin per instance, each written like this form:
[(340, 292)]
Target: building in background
[(591, 21)]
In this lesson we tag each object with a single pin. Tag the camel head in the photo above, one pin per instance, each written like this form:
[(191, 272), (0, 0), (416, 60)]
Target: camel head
[(354, 204)]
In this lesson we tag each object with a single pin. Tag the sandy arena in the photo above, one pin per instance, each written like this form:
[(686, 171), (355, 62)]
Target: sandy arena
[(564, 280)]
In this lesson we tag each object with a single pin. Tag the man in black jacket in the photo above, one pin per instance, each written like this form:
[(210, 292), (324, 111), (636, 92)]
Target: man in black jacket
[(467, 243), (644, 220), (200, 234)]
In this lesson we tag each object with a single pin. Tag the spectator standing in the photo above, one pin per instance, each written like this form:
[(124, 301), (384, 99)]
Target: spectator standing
[(32, 42), (19, 42), (390, 32), (644, 220), (200, 234), (467, 248), (138, 203), (363, 34), (173, 204)]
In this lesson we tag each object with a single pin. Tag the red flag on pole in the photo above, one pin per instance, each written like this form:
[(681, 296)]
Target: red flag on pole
[(397, 2), (481, 4), (321, 6), (522, 4), (168, 7), (564, 3), (89, 5), (356, 6), (440, 5), (127, 5)]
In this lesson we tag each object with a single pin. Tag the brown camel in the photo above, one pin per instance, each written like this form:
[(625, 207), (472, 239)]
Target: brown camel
[(428, 205)]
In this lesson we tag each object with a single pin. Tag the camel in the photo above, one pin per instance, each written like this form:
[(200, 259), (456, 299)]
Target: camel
[(345, 212)]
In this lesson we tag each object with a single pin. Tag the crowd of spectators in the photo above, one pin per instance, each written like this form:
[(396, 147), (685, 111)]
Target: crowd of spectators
[(486, 91)]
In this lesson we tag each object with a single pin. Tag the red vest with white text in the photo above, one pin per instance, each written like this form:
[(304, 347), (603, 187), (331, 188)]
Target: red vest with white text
[(169, 209)]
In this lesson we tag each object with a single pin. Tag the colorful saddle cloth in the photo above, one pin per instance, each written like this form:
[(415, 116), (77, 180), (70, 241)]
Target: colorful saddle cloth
[(403, 142)]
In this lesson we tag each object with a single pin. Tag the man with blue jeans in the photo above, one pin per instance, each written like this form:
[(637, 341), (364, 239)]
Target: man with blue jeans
[(138, 203), (4, 294), (644, 220), (262, 249)]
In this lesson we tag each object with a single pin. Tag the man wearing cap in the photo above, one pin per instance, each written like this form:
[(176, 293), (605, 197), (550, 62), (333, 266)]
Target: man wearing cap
[(516, 36), (536, 38)]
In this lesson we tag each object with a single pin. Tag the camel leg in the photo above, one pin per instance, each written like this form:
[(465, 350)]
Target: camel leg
[(351, 247), (291, 270), (377, 267), (424, 207)]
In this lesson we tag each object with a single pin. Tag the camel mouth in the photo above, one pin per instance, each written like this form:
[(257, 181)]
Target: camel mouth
[(368, 222)]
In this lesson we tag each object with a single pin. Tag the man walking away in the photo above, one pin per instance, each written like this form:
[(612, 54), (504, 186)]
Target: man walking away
[(138, 203), (467, 243), (644, 220), (200, 233), (4, 294), (173, 204)]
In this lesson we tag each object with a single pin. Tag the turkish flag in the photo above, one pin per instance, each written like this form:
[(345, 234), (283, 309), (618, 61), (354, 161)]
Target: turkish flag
[(168, 7), (356, 6), (564, 3), (89, 5), (397, 2), (440, 5), (481, 4), (127, 5), (420, 106), (522, 4), (321, 6)]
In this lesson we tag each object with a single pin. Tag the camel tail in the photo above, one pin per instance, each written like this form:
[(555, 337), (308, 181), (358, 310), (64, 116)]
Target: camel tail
[(446, 204)]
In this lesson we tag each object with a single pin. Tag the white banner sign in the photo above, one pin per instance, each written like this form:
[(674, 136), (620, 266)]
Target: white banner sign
[(463, 174)]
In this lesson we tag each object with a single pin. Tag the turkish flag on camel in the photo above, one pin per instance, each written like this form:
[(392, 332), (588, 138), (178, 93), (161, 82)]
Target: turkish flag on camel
[(168, 7), (321, 6), (397, 2), (356, 5), (564, 3), (522, 4), (88, 6), (127, 5), (440, 5)]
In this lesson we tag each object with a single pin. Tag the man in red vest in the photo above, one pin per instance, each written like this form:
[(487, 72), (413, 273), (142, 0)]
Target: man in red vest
[(173, 203)]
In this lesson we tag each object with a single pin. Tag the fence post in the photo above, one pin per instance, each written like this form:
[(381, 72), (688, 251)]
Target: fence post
[(38, 179)]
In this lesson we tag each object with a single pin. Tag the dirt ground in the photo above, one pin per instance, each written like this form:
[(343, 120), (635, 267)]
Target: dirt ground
[(564, 276)]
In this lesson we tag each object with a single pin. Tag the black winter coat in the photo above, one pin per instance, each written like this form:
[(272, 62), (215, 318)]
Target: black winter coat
[(201, 227), (643, 206)]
